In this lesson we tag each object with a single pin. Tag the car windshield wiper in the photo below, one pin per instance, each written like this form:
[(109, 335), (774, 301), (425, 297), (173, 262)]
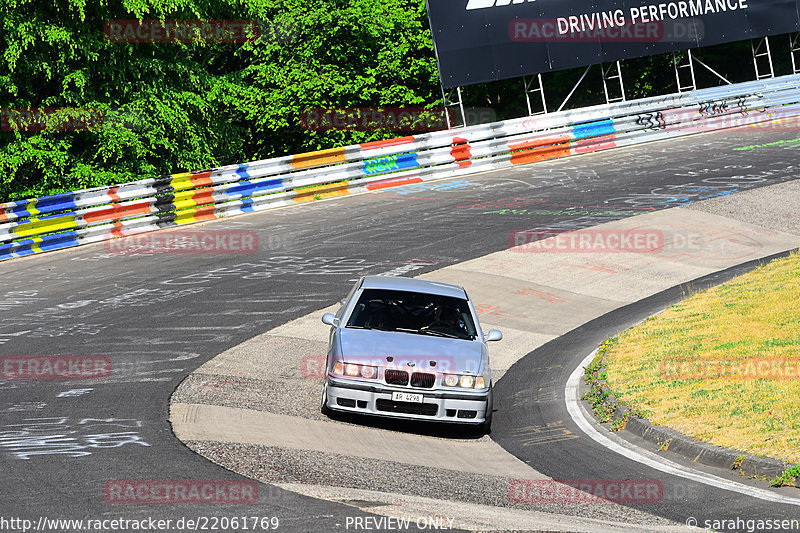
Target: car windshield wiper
[(439, 333), (421, 331), (357, 327), (435, 333)]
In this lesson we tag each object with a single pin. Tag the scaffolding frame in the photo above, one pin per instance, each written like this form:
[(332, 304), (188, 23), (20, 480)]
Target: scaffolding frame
[(533, 85), (689, 62), (607, 78), (762, 50), (794, 48), (681, 65), (529, 89), (574, 88), (452, 98)]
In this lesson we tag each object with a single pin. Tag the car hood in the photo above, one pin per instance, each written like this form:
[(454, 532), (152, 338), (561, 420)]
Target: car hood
[(411, 351)]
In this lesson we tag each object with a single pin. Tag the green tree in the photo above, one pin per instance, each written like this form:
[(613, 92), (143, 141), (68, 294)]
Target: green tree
[(174, 106)]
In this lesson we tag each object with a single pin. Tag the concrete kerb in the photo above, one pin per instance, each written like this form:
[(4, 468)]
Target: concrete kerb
[(698, 451), (705, 453)]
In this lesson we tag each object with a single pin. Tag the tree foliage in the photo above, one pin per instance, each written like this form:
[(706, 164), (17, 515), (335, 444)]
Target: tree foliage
[(173, 106)]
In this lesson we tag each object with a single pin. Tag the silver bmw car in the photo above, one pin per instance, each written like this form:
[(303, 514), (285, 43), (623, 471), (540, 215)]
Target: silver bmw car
[(408, 348)]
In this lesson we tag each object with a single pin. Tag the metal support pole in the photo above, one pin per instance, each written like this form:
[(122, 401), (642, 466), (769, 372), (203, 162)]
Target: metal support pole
[(606, 78), (757, 53), (540, 89), (689, 65), (453, 102), (714, 72), (585, 72), (461, 107)]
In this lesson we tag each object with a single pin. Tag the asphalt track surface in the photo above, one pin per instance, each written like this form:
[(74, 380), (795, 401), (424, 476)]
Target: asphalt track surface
[(539, 402), (158, 317)]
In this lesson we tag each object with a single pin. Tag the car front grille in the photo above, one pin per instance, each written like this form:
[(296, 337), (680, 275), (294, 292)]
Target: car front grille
[(426, 409), (422, 380), (396, 377)]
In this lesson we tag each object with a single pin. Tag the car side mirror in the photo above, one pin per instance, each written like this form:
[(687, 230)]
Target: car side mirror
[(330, 319), (493, 335)]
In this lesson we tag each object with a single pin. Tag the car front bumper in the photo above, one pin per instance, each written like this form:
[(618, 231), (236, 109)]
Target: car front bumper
[(437, 406)]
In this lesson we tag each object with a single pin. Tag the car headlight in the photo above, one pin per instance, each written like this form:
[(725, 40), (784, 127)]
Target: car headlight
[(353, 370), (481, 382), (464, 381)]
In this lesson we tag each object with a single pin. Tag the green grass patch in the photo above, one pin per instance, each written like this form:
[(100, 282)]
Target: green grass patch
[(695, 367), (787, 478)]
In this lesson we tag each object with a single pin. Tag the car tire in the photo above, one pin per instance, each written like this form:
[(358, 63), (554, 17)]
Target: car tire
[(323, 404), (485, 427)]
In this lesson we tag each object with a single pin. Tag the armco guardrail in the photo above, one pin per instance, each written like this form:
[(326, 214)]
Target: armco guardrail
[(64, 220)]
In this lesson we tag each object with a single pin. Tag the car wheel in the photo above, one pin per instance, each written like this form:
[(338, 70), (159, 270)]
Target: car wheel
[(323, 405), (486, 426)]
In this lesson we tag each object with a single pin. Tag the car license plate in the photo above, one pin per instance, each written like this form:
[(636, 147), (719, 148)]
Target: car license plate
[(406, 397)]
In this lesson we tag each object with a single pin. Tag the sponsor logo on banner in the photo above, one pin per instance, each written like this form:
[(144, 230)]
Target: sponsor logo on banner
[(483, 4)]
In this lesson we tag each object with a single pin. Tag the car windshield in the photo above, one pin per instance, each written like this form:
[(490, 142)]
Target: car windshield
[(413, 312)]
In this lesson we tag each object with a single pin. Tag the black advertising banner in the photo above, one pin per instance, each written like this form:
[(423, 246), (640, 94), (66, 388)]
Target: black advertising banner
[(485, 40)]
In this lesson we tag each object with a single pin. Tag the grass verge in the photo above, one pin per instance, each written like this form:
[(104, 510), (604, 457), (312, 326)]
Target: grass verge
[(722, 366)]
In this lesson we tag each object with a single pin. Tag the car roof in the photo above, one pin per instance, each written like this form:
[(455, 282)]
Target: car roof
[(413, 285)]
